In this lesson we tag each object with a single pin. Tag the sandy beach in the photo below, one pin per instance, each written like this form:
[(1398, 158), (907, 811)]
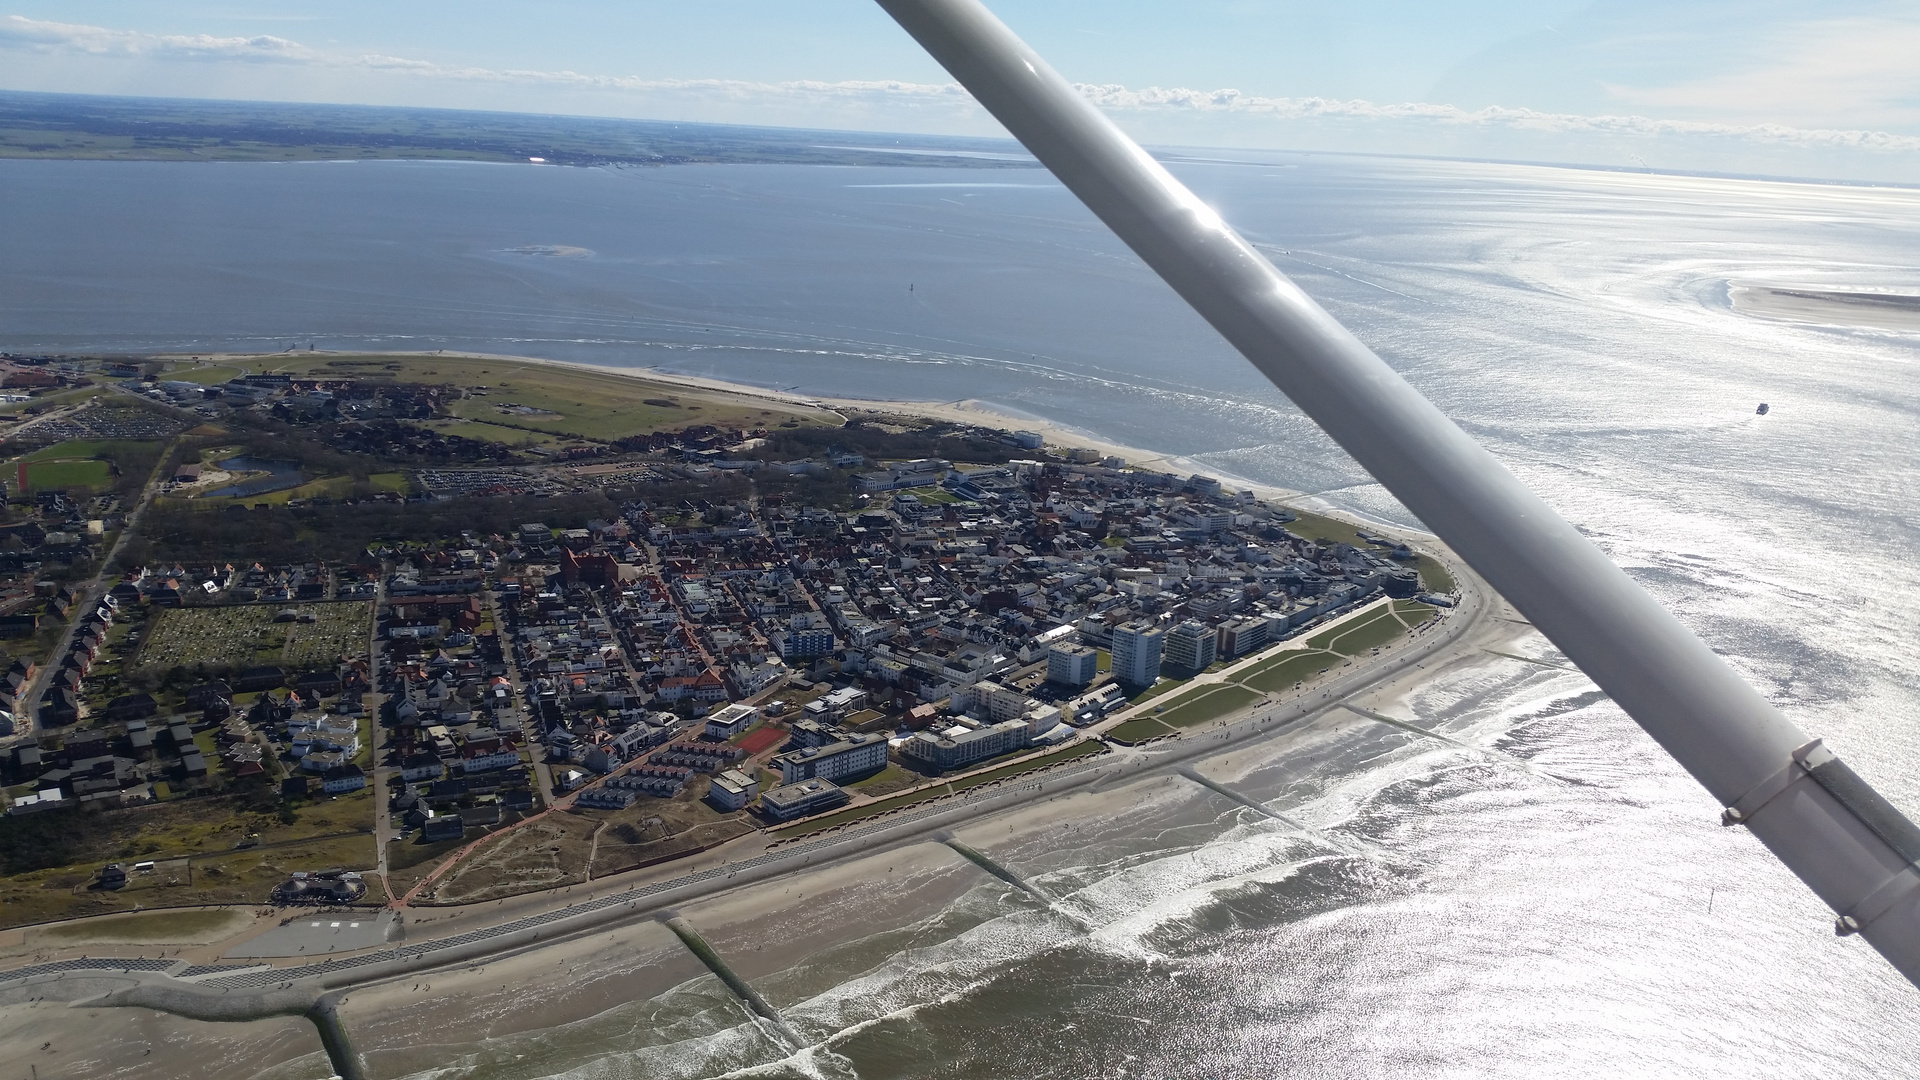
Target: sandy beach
[(794, 938), (1827, 307)]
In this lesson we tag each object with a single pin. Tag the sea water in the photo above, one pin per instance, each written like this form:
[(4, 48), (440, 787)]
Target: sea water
[(1557, 898)]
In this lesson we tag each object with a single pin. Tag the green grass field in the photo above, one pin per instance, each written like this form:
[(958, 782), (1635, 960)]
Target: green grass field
[(487, 432), (933, 495), (1413, 612), (1204, 708), (1291, 667), (332, 487), (156, 927), (81, 462), (42, 475), (1434, 577), (568, 400), (1325, 638), (1139, 730), (1324, 529), (1369, 634), (204, 374), (71, 450), (1159, 689)]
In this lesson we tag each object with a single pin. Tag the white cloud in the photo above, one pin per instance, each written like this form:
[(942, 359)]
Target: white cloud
[(1864, 69), (1259, 120), (37, 35), (1121, 99)]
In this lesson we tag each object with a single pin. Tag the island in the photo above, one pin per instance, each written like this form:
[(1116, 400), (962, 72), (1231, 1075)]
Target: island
[(382, 637)]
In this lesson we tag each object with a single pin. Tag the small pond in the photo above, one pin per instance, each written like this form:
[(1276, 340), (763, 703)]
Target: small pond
[(280, 476)]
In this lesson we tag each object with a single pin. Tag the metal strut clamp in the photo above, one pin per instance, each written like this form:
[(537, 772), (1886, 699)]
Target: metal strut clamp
[(1877, 902), (1799, 764)]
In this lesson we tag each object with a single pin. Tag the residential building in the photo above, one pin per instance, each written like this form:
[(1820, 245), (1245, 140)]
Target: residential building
[(799, 642), (790, 801), (1072, 665), (732, 790), (444, 826), (1088, 708), (1190, 647), (487, 754), (731, 721), (857, 755), (1136, 653), (960, 745), (1242, 636), (343, 778)]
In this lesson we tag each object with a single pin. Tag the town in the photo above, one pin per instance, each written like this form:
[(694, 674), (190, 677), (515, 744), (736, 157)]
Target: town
[(770, 626)]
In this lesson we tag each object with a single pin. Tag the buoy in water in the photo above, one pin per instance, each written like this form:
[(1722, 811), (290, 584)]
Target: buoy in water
[(1762, 410)]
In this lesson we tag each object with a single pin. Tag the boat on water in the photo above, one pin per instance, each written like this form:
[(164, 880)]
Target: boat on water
[(1762, 410)]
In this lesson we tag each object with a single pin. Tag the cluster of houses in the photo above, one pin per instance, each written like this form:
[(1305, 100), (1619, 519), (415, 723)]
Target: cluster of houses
[(57, 534), (65, 693), (62, 535), (959, 615), (106, 767), (125, 746), (458, 725), (248, 583)]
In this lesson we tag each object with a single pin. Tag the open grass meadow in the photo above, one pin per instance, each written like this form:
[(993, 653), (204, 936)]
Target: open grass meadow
[(1413, 612), (1433, 576), (148, 928), (551, 399), (1356, 638), (1324, 639), (47, 860), (1138, 730)]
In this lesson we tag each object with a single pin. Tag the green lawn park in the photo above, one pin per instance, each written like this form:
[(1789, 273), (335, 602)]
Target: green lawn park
[(1275, 674), (1212, 704), (809, 826)]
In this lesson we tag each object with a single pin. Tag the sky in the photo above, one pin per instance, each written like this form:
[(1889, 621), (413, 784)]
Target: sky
[(1759, 86)]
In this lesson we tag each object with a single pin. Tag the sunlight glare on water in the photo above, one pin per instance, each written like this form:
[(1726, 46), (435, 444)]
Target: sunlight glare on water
[(1540, 909)]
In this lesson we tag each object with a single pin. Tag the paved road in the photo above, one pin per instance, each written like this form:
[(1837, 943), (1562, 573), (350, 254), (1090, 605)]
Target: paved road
[(317, 934), (377, 776), (28, 719), (536, 748)]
